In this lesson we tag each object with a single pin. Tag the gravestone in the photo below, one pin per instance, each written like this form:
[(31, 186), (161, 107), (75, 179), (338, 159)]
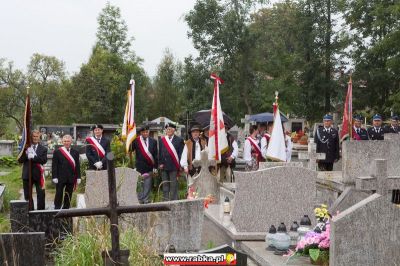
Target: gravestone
[(358, 155), (367, 233), (265, 165), (181, 226), (22, 249), (271, 196), (23, 220), (2, 192), (6, 147), (96, 191), (348, 198), (311, 155), (205, 183)]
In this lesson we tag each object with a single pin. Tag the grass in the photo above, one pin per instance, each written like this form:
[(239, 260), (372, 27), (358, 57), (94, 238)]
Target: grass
[(13, 184), (84, 248)]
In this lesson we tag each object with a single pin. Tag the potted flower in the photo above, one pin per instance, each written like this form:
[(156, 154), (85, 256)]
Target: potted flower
[(303, 140)]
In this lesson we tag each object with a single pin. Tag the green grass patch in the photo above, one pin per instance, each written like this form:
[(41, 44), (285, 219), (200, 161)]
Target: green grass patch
[(13, 184)]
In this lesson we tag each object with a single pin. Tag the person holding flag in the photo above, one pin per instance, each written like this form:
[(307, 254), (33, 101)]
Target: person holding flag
[(96, 149), (170, 151), (146, 163), (66, 173), (252, 151), (359, 133), (327, 141), (36, 154)]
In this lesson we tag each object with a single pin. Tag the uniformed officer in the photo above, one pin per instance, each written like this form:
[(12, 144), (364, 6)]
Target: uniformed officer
[(376, 132), (327, 140), (360, 133), (394, 125)]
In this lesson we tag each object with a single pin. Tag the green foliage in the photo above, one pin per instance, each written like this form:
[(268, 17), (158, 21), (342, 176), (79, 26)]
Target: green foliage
[(8, 161), (13, 184), (84, 248), (118, 148)]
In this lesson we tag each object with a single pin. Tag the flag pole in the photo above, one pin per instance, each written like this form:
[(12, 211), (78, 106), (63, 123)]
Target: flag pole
[(130, 150), (28, 144), (350, 125)]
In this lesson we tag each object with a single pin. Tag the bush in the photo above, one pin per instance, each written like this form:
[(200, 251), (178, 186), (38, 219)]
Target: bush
[(8, 161)]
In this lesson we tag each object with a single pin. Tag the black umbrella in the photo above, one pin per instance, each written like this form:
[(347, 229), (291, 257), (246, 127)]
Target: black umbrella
[(203, 118)]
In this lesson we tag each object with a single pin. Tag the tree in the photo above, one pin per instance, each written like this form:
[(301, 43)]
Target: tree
[(112, 32)]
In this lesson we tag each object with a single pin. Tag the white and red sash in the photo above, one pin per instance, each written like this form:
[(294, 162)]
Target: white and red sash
[(256, 147), (97, 146), (172, 152), (71, 161), (267, 136), (41, 170), (145, 151)]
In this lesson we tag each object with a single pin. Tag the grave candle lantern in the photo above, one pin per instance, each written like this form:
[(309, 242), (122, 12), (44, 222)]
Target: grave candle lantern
[(305, 227), (227, 205), (294, 235), (282, 240), (270, 238)]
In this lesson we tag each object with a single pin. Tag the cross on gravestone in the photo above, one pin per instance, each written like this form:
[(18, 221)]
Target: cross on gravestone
[(112, 212), (380, 182), (312, 156)]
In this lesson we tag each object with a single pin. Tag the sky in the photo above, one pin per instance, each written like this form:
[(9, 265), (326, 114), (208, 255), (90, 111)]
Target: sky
[(67, 29)]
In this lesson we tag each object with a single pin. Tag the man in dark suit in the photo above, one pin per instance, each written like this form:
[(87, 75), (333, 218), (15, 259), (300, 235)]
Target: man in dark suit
[(146, 160), (327, 140), (360, 133), (97, 148), (170, 151), (376, 132), (394, 125), (66, 173), (37, 154)]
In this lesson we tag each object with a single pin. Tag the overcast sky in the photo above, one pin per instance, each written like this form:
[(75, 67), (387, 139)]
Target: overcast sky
[(67, 29)]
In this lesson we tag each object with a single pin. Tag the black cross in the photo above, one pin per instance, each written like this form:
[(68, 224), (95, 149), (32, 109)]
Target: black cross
[(112, 211)]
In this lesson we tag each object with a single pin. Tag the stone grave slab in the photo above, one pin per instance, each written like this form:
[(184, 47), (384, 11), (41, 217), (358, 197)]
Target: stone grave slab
[(367, 233), (96, 191), (271, 196), (205, 183), (329, 186), (265, 165), (357, 158), (181, 226), (348, 198), (22, 249), (6, 147)]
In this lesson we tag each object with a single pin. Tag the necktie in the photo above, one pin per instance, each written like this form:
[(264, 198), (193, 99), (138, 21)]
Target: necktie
[(358, 131), (98, 140)]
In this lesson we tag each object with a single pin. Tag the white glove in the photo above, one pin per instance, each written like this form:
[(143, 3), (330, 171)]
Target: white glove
[(55, 180), (78, 181), (155, 171), (30, 150), (98, 165), (31, 155)]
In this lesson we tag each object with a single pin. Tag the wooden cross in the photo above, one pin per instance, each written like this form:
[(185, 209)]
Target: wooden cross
[(380, 182), (112, 211)]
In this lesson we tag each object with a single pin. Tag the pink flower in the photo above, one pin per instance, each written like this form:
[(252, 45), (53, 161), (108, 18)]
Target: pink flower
[(325, 244)]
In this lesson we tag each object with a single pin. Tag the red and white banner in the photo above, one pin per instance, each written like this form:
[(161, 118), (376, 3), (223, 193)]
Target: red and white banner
[(276, 150), (145, 151), (129, 126), (42, 180), (172, 152), (347, 122), (97, 146), (217, 142), (71, 162), (255, 147)]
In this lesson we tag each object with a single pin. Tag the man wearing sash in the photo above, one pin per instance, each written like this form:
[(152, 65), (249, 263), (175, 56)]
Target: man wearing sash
[(252, 151), (359, 133), (228, 159), (265, 139), (146, 161), (170, 151), (96, 149), (66, 173), (37, 154), (191, 151), (327, 140)]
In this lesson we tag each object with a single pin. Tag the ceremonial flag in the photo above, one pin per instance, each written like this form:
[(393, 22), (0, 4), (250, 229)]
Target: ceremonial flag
[(276, 150), (26, 131), (129, 126), (217, 142), (347, 122)]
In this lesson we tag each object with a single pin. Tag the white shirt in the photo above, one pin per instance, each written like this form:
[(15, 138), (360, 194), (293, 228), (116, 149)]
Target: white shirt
[(235, 148), (184, 157), (264, 146), (247, 149), (289, 146)]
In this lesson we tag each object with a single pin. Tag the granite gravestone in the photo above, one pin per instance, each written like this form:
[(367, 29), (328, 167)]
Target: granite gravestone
[(311, 156), (265, 165), (367, 233), (6, 147), (358, 155), (271, 196), (348, 198), (205, 184), (181, 226), (96, 191), (22, 249)]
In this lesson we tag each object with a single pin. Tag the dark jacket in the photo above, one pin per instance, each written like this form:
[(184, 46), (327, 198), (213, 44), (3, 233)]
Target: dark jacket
[(328, 143), (390, 129), (363, 134), (92, 155), (165, 158), (40, 158), (62, 169), (142, 164), (376, 134)]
